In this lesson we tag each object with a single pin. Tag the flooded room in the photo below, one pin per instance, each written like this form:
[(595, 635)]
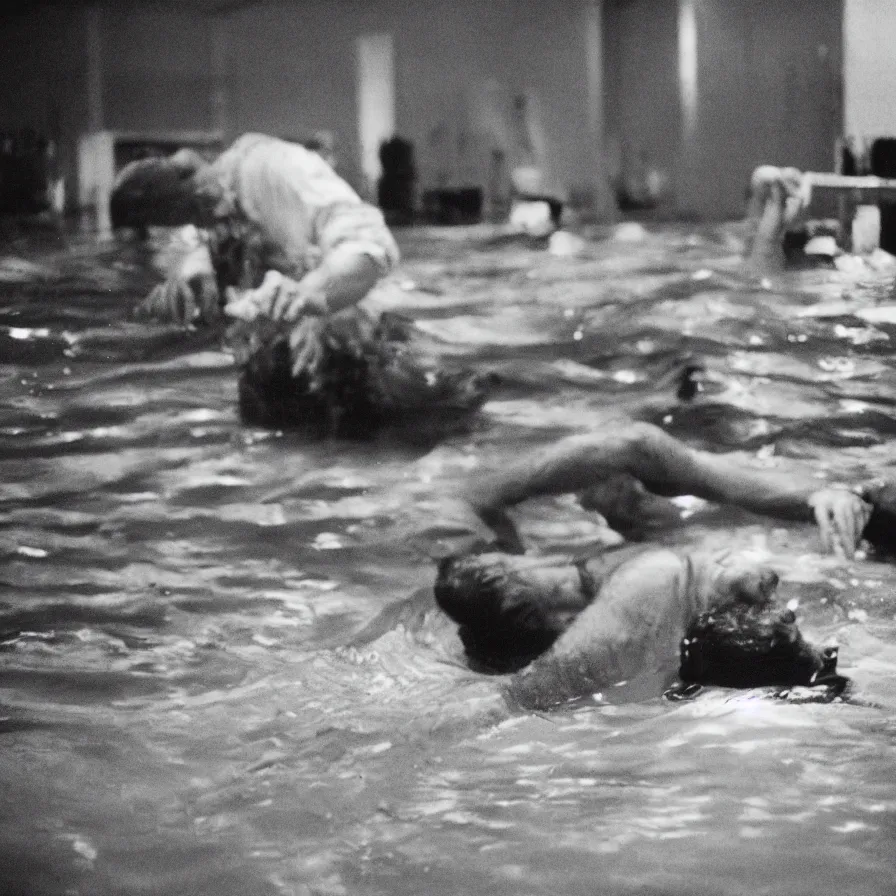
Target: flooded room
[(447, 447)]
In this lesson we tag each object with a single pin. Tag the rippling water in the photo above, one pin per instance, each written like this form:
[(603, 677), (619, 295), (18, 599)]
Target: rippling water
[(222, 672)]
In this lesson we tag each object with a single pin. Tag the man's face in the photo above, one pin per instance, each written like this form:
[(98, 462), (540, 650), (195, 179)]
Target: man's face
[(742, 579)]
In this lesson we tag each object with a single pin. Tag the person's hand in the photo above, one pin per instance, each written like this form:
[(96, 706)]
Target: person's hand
[(841, 516), (182, 301), (306, 348), (784, 185), (777, 197), (278, 297)]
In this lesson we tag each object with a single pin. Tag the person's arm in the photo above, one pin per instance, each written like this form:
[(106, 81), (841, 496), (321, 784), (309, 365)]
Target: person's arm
[(342, 279), (344, 276), (668, 467), (189, 293), (307, 210), (774, 206)]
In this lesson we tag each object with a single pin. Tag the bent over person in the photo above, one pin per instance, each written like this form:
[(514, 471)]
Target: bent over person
[(569, 630), (780, 234), (287, 251)]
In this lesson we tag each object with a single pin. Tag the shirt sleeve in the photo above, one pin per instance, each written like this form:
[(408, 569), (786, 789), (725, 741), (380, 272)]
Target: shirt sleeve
[(304, 207), (360, 227)]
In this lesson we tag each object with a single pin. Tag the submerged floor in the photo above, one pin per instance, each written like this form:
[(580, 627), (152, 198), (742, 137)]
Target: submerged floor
[(201, 694)]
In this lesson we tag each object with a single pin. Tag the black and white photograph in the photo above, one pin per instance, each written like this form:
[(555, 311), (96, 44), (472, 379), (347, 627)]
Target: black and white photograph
[(448, 447)]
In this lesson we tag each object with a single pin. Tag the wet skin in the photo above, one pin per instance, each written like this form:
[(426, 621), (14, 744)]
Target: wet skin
[(570, 630)]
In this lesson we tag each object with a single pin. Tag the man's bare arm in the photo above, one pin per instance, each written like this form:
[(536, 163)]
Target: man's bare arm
[(342, 279), (668, 467), (665, 466), (775, 205)]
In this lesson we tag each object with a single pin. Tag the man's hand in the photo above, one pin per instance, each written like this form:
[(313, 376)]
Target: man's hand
[(841, 516), (784, 185), (182, 301), (278, 297), (306, 348)]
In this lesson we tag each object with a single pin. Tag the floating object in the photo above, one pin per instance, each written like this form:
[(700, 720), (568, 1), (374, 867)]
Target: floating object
[(823, 246), (27, 332), (630, 232), (850, 264), (531, 217), (565, 244), (866, 229)]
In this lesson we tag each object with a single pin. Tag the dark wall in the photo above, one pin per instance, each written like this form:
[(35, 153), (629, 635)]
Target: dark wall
[(770, 85), (157, 69), (294, 71), (642, 104), (44, 88), (769, 82), (768, 91)]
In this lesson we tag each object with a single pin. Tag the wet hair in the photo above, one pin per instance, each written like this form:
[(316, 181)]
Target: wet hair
[(880, 532), (366, 381), (508, 608), (748, 646), (158, 191)]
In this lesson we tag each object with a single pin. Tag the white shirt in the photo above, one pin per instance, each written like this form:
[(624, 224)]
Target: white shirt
[(302, 206)]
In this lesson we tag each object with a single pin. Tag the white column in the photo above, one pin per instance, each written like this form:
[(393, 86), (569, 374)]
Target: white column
[(689, 102), (97, 150), (687, 68), (594, 70), (869, 68), (376, 101)]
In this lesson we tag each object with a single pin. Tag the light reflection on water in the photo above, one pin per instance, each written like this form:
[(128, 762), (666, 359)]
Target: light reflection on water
[(222, 670)]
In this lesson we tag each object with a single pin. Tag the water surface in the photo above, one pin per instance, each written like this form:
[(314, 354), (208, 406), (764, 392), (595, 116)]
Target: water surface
[(221, 669)]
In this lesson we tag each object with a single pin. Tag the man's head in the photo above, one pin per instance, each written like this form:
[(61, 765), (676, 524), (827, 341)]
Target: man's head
[(739, 579), (748, 646), (510, 608), (744, 637), (162, 192)]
